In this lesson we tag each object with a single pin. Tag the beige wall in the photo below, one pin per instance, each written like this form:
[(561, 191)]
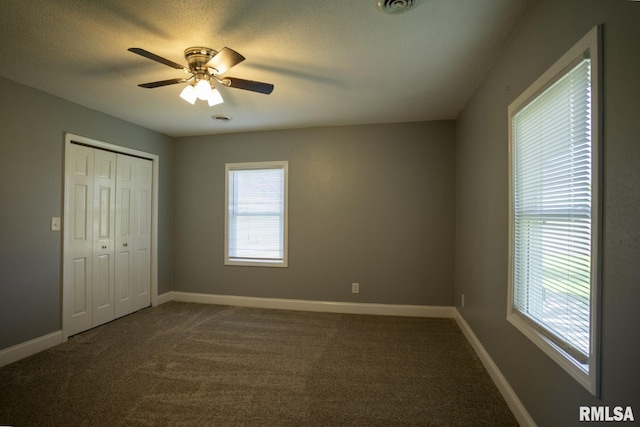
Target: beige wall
[(370, 204)]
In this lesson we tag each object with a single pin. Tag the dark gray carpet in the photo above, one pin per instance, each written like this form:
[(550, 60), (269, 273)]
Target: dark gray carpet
[(185, 364)]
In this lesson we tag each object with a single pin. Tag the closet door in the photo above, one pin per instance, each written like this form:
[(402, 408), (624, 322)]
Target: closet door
[(108, 215), (78, 261), (133, 234), (124, 248), (104, 237), (143, 177)]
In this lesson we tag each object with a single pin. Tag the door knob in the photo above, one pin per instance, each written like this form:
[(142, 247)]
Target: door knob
[(125, 245), (104, 246)]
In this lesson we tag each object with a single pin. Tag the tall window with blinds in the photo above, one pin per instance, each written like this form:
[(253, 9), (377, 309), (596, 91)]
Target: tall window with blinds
[(256, 214), (554, 211)]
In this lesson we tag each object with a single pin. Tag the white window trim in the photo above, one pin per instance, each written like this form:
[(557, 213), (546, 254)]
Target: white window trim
[(257, 165), (587, 376)]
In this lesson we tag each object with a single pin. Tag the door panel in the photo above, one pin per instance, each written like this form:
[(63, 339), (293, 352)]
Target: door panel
[(80, 212), (123, 213), (142, 232), (124, 236), (77, 265), (79, 282), (106, 162), (124, 297), (102, 281), (143, 282), (103, 213), (103, 238)]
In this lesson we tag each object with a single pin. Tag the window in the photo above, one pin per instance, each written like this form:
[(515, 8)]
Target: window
[(554, 211), (256, 214)]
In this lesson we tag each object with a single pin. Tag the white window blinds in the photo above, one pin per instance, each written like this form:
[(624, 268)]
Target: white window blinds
[(256, 213), (552, 212)]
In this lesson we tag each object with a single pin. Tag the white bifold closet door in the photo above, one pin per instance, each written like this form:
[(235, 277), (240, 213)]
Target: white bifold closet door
[(107, 265), (133, 234)]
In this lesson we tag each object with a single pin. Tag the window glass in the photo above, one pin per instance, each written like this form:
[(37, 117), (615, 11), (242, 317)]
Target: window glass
[(256, 214)]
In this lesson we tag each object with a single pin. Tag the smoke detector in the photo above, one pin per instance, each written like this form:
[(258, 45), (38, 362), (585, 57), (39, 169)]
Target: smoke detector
[(395, 6)]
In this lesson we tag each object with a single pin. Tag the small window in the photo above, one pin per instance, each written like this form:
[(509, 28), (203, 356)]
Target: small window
[(256, 214), (554, 211)]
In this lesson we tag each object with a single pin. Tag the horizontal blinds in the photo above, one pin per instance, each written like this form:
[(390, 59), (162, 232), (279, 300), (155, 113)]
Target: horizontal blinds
[(256, 214), (552, 211)]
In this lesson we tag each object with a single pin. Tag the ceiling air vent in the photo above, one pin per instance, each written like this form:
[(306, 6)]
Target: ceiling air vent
[(395, 6)]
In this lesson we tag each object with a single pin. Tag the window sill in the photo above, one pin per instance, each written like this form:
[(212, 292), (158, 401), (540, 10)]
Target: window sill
[(582, 373), (246, 263)]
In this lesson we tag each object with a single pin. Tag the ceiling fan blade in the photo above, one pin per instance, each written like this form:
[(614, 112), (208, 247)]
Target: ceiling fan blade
[(225, 59), (162, 83), (157, 58), (251, 85)]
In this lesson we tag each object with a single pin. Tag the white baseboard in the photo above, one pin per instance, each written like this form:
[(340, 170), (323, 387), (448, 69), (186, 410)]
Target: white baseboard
[(26, 349), (518, 409), (318, 306), (164, 298)]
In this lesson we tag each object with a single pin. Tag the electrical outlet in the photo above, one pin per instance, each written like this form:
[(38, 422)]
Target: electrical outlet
[(355, 288), (462, 300)]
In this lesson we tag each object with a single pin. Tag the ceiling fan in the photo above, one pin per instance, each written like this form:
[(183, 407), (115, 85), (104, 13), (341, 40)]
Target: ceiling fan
[(205, 66)]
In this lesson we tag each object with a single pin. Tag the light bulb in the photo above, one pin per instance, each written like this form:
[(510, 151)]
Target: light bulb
[(189, 94), (203, 89)]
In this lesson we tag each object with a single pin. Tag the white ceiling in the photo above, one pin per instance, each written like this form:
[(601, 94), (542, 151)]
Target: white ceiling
[(333, 62)]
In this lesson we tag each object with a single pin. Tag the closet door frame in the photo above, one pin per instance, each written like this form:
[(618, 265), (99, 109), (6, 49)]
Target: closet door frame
[(69, 139)]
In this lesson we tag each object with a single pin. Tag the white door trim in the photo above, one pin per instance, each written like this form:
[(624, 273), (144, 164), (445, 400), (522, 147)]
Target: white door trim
[(69, 138)]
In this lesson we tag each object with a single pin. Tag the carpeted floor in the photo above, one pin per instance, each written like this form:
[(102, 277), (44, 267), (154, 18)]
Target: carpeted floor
[(183, 364)]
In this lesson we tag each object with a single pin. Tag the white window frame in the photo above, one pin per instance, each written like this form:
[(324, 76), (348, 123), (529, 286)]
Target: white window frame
[(229, 167), (587, 374)]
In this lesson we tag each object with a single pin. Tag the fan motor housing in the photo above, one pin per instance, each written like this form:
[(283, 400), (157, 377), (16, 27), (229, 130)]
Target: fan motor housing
[(198, 57)]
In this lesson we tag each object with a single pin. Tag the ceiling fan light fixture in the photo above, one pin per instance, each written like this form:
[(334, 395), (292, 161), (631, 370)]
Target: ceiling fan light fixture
[(202, 90), (189, 94), (205, 64)]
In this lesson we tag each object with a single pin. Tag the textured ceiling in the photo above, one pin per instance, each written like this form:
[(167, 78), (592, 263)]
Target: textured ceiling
[(332, 62)]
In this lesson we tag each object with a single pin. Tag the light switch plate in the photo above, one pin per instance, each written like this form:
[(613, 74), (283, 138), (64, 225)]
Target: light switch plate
[(55, 223)]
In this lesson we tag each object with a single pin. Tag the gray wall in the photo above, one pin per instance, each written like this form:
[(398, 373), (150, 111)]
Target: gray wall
[(551, 28), (368, 204), (373, 204), (32, 126)]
